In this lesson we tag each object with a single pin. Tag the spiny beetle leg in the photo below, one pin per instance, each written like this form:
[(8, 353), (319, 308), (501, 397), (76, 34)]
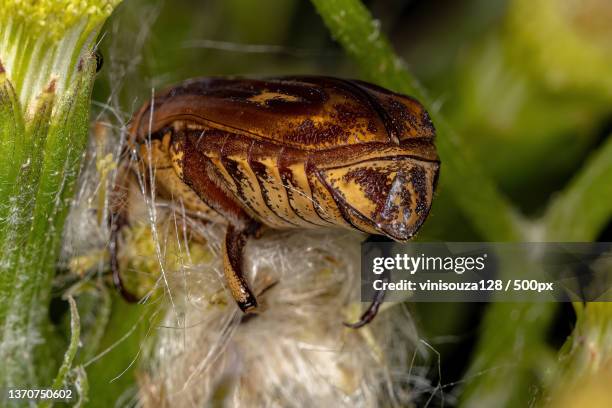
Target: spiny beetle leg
[(379, 297), (233, 247)]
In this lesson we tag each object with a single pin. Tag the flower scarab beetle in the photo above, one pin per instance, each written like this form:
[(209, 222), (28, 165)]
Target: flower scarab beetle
[(293, 152)]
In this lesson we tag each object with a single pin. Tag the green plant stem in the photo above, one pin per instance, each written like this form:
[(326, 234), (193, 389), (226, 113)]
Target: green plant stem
[(46, 75), (75, 338), (32, 234), (513, 335), (589, 348), (511, 355), (586, 356), (584, 207)]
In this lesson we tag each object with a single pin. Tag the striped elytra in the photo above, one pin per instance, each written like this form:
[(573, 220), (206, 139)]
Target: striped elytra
[(294, 152)]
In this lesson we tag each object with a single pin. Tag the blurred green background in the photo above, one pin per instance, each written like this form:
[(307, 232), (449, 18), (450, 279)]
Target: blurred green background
[(527, 85)]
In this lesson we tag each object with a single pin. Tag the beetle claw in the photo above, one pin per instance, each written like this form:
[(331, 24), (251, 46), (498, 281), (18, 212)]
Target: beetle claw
[(370, 312)]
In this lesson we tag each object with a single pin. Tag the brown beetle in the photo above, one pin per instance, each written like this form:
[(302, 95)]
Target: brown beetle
[(294, 152)]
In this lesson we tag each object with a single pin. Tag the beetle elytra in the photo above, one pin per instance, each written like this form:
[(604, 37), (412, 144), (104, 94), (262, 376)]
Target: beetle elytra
[(293, 152)]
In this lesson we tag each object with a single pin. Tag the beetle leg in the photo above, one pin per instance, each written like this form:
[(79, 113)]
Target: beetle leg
[(233, 246), (249, 316), (114, 265), (372, 310)]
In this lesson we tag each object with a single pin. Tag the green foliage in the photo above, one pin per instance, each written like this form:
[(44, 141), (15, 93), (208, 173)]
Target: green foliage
[(581, 211), (45, 88)]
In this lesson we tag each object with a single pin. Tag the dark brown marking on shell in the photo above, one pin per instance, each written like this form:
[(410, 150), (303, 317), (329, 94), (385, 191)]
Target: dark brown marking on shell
[(372, 127), (375, 185), (310, 133), (270, 183), (289, 184), (347, 113), (202, 177), (234, 170), (418, 179), (351, 115), (353, 87), (404, 113), (286, 158), (262, 175), (400, 118), (313, 176), (291, 188)]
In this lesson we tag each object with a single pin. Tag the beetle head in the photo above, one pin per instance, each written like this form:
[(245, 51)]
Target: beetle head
[(391, 196)]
